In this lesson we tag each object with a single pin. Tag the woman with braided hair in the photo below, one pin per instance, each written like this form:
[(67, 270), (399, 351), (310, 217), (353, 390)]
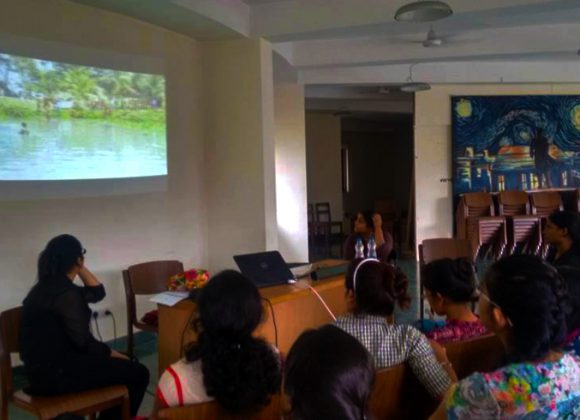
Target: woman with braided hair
[(524, 302), (449, 287), (372, 291)]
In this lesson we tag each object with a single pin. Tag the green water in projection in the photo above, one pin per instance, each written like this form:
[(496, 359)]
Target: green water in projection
[(64, 149)]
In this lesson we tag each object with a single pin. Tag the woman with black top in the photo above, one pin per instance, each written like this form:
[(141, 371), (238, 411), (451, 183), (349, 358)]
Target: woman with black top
[(59, 352), (562, 231)]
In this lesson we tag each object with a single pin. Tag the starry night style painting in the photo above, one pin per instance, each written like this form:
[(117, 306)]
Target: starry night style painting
[(515, 142)]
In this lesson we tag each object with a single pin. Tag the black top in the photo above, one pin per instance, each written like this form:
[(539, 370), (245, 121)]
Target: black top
[(56, 324), (568, 258)]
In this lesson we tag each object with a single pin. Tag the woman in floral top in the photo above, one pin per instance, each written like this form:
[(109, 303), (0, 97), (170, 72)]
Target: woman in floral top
[(449, 287), (524, 301)]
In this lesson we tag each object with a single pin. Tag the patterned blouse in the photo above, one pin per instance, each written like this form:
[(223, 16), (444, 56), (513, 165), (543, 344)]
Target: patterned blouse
[(533, 391), (394, 344), (457, 330)]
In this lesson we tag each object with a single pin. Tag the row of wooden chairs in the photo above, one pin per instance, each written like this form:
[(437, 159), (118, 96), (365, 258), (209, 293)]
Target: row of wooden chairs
[(396, 394), (517, 223), (322, 229)]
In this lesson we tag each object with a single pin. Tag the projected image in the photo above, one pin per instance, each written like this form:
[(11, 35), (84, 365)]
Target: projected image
[(61, 122)]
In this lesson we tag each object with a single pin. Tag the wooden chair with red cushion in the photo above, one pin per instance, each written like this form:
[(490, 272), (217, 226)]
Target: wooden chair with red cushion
[(82, 403)]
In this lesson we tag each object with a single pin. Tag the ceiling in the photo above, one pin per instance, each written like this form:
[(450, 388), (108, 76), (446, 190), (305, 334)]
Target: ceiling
[(358, 41)]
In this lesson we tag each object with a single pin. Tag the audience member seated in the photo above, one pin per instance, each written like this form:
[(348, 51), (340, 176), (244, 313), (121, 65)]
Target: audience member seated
[(523, 301), (367, 225), (449, 287), (562, 231), (572, 277), (372, 289), (59, 352), (329, 375), (226, 363)]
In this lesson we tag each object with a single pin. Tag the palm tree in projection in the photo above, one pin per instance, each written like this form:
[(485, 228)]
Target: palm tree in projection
[(82, 87)]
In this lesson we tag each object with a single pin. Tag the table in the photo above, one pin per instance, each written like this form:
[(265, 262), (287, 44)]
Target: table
[(293, 308)]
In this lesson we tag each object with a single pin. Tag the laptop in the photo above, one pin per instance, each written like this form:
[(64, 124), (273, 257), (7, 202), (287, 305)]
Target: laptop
[(265, 268)]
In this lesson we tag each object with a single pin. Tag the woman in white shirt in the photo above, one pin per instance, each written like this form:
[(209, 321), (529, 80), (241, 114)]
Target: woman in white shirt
[(227, 363)]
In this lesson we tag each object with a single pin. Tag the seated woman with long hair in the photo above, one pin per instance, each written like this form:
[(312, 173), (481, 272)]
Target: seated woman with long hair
[(449, 286), (523, 301), (329, 375), (59, 352), (369, 225), (562, 231), (227, 363), (372, 289)]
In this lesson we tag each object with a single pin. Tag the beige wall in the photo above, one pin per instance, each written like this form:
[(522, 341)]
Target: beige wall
[(323, 145), (240, 149), (291, 171), (122, 230), (433, 148)]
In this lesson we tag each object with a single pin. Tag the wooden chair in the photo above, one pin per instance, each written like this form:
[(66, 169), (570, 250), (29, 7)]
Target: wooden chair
[(82, 403), (333, 231), (472, 206), (145, 279), (212, 411), (543, 204), (438, 248), (481, 354), (523, 229), (385, 402)]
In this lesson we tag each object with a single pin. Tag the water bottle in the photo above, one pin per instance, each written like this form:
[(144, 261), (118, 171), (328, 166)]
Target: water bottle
[(359, 249), (372, 245)]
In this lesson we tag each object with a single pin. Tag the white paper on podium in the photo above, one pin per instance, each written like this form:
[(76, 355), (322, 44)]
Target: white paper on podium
[(169, 298)]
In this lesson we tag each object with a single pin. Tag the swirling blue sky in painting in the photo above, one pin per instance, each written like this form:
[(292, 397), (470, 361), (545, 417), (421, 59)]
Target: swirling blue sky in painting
[(491, 124)]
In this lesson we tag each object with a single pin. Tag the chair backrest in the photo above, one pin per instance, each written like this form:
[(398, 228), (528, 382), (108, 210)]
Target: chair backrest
[(437, 248), (322, 211), (10, 321), (481, 354), (545, 202), (151, 277), (513, 203), (311, 212), (387, 393), (479, 204), (212, 411)]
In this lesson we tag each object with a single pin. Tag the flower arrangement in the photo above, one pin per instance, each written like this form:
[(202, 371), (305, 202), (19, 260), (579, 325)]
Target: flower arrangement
[(189, 280)]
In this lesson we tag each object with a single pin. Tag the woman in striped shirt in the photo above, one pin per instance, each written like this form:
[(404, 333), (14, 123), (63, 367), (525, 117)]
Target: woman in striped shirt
[(226, 363), (373, 288)]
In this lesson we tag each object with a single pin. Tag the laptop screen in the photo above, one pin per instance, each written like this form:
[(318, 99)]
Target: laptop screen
[(264, 268)]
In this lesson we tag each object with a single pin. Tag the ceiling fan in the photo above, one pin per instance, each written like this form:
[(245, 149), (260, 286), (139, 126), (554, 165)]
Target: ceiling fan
[(433, 39)]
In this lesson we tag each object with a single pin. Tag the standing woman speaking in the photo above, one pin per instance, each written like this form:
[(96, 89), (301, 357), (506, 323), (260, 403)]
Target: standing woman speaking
[(59, 352)]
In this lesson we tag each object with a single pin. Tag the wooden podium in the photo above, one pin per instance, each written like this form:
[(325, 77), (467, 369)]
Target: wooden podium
[(293, 309)]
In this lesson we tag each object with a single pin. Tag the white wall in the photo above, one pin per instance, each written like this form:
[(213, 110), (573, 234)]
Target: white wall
[(434, 197), (122, 230), (323, 164), (239, 127), (290, 164)]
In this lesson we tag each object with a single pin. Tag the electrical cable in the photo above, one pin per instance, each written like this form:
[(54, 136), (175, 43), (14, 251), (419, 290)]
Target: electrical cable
[(185, 328), (273, 320), (98, 330)]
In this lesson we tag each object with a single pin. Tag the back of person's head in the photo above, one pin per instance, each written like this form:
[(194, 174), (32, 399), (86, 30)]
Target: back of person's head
[(377, 287), (570, 221), (532, 296), (239, 371), (329, 375), (571, 276), (452, 279), (59, 257)]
